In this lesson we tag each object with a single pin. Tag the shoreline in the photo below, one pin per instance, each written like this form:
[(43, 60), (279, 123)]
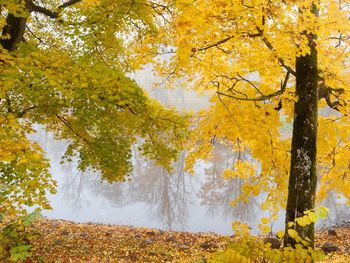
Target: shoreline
[(66, 241)]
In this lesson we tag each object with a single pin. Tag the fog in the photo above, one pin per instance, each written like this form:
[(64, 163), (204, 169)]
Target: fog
[(152, 197)]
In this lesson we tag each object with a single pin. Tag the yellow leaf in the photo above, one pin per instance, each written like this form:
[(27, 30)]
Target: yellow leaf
[(303, 221), (280, 234), (265, 220), (292, 233), (265, 229)]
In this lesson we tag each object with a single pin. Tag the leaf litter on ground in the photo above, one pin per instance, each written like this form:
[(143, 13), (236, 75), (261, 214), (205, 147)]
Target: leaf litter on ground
[(64, 241)]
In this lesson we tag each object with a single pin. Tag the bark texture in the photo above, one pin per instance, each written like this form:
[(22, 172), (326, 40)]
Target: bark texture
[(303, 177), (13, 32), (15, 27)]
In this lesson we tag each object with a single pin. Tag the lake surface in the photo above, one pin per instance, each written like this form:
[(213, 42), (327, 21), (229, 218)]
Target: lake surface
[(154, 198)]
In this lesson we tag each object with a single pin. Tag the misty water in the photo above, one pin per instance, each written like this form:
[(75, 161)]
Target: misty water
[(153, 198), (150, 197)]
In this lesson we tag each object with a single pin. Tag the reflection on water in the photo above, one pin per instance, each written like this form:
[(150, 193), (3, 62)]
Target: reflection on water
[(151, 197), (217, 193), (154, 198), (167, 196)]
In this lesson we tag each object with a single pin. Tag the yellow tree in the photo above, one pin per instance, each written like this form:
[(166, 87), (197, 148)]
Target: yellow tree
[(64, 66), (268, 64)]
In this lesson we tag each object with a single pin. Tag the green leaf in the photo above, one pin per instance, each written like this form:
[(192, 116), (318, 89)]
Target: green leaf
[(313, 217), (20, 253), (322, 212), (20, 249), (29, 219)]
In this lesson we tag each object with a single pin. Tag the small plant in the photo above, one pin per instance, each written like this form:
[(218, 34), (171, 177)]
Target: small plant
[(15, 237), (251, 249)]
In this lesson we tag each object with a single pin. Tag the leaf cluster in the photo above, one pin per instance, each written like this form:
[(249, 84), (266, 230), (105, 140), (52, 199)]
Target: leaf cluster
[(68, 76), (16, 236), (248, 248)]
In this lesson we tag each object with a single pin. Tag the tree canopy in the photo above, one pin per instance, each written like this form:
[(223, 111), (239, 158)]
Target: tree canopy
[(267, 65), (244, 53), (64, 66)]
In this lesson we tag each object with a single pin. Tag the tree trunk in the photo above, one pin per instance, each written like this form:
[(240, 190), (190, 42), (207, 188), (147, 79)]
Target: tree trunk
[(303, 177), (14, 29)]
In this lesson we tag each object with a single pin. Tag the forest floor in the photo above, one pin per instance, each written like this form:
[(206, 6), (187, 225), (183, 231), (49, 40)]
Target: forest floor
[(63, 241)]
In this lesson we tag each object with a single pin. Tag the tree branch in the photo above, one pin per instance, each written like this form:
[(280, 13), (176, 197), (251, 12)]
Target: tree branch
[(247, 34), (215, 44), (251, 83), (44, 11), (65, 122), (23, 112), (262, 97), (69, 3), (219, 42), (50, 13), (269, 46), (35, 36), (325, 92)]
